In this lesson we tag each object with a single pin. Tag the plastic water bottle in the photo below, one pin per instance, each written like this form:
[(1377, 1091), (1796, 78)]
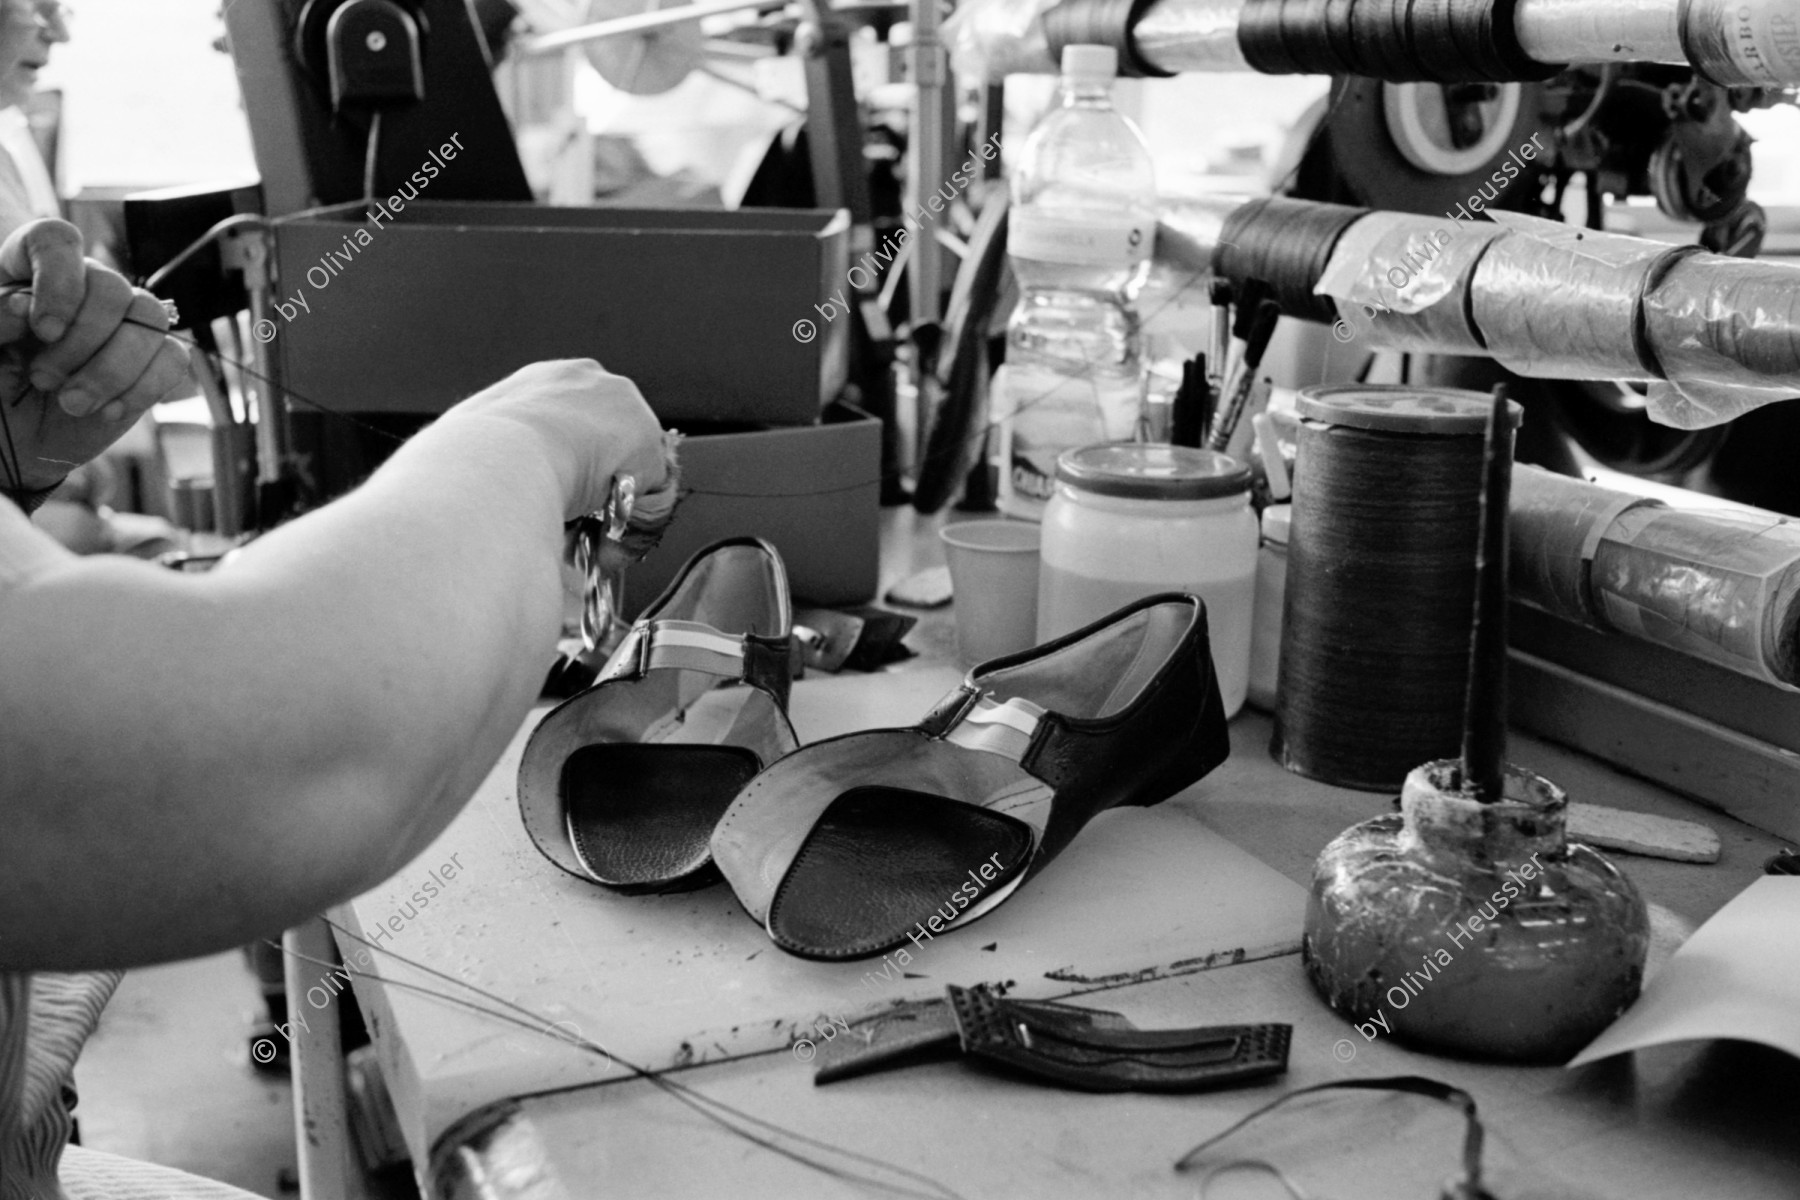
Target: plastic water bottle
[(1082, 226)]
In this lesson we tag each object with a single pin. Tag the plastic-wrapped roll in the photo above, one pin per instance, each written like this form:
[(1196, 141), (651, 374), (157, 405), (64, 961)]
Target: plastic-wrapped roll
[(991, 39), (1191, 35), (1100, 23), (1567, 303), (1403, 282), (1753, 43), (1726, 332), (1596, 31), (1722, 586), (1554, 527)]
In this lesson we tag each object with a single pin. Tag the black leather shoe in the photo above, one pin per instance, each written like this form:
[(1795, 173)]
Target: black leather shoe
[(854, 845), (623, 783)]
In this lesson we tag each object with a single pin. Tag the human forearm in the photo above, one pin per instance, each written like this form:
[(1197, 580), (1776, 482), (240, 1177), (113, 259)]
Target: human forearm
[(213, 756)]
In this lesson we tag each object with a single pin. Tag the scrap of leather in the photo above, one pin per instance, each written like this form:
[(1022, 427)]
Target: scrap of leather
[(1082, 1048)]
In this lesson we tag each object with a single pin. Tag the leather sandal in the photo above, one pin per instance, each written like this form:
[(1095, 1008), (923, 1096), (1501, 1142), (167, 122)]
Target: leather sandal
[(850, 847), (623, 783)]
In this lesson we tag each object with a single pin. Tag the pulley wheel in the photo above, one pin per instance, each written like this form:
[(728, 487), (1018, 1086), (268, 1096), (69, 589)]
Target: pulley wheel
[(649, 62)]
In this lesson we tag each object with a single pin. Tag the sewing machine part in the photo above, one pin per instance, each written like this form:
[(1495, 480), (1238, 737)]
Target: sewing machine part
[(1088, 1049)]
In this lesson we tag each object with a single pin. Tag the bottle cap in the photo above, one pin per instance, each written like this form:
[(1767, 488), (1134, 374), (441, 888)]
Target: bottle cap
[(1276, 520), (1090, 64), (1142, 471)]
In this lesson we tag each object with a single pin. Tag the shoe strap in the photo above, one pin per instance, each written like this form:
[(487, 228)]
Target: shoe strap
[(693, 646), (975, 720)]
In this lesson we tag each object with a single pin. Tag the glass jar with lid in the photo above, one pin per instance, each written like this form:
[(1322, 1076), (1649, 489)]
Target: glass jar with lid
[(1128, 520)]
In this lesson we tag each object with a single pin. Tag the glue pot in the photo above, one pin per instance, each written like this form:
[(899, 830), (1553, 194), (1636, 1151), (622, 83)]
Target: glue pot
[(1128, 520)]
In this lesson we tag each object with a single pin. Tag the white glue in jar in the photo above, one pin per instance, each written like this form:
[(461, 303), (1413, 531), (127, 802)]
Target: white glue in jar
[(1128, 520)]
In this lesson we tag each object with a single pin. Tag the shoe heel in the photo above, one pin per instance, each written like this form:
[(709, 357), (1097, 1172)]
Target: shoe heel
[(1206, 744)]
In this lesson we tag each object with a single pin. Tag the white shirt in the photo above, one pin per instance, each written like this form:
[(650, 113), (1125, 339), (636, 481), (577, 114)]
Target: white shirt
[(38, 195)]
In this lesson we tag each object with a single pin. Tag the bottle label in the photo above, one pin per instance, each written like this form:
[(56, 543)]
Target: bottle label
[(1089, 240), (1763, 42)]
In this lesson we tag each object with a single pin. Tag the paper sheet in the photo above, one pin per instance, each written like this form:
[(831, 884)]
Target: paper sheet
[(1737, 977)]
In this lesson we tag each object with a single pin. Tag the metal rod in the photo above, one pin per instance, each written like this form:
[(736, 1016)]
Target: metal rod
[(619, 26), (927, 174), (1745, 42)]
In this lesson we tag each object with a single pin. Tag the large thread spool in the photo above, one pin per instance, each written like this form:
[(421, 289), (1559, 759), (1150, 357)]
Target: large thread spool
[(1287, 245), (1381, 581)]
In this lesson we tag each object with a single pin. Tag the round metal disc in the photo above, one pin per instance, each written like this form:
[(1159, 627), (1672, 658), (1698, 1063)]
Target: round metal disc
[(1371, 168), (647, 63)]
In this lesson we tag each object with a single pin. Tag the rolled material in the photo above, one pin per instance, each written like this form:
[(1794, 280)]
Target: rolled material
[(1191, 35), (1726, 334), (1188, 232), (991, 39), (1600, 31), (1713, 336), (1403, 41), (1403, 282), (1287, 245), (1100, 23), (1743, 42), (1566, 303), (1556, 526), (1381, 582), (1719, 585), (1732, 42)]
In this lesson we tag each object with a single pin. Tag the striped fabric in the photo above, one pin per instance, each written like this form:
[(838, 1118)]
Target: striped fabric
[(997, 728), (679, 645), (44, 1019)]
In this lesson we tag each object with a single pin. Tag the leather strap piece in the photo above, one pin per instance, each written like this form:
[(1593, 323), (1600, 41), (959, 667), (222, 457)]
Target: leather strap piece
[(1072, 1048), (999, 728), (691, 646)]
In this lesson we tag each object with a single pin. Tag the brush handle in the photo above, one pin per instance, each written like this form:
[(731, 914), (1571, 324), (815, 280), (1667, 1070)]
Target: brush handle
[(1484, 708)]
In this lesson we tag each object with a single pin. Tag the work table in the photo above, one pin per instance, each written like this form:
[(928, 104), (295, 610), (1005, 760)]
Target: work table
[(1683, 1122)]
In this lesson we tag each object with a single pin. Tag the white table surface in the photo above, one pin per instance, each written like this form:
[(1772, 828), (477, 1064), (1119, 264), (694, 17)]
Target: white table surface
[(1704, 1120)]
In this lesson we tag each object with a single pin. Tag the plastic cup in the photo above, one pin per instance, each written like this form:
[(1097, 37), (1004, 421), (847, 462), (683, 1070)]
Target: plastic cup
[(994, 578)]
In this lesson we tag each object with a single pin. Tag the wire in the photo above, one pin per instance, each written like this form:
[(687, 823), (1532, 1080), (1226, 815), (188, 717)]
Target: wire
[(1253, 1164), (238, 221), (1417, 1085), (539, 1024), (371, 152)]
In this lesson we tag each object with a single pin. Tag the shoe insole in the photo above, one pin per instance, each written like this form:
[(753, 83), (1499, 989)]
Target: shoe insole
[(882, 862), (641, 816)]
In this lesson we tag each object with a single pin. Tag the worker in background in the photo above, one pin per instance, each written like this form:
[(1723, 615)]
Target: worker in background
[(28, 28)]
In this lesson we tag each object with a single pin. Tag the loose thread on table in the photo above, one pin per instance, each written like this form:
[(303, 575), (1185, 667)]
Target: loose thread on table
[(682, 1092), (688, 1096)]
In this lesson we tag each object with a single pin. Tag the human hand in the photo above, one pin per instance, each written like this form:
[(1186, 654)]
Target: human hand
[(595, 426), (82, 354)]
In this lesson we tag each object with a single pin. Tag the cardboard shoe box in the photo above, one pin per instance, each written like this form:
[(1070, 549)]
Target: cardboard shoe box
[(814, 491), (712, 313)]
